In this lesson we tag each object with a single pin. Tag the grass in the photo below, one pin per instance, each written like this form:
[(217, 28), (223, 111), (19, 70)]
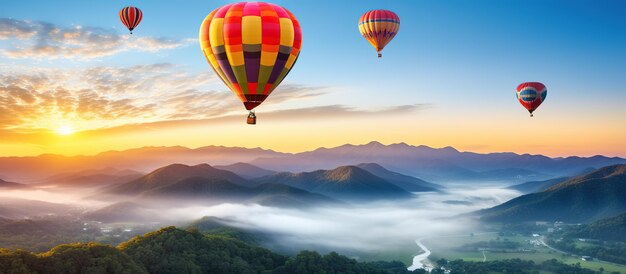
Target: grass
[(580, 244), (403, 253), (594, 265), (451, 255), (447, 248)]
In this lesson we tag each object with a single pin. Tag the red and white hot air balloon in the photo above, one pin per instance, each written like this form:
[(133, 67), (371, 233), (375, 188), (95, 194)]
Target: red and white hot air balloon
[(531, 95)]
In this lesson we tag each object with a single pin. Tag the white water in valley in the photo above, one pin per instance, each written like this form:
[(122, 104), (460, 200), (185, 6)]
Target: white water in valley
[(420, 261)]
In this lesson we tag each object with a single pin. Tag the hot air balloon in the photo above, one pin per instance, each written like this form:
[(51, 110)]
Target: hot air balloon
[(251, 46), (531, 95), (131, 17), (379, 27)]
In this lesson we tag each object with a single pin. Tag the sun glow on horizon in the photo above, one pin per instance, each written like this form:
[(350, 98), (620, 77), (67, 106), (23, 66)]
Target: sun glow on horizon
[(65, 130)]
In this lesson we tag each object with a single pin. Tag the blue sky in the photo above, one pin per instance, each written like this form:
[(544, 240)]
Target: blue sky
[(463, 58), (451, 46)]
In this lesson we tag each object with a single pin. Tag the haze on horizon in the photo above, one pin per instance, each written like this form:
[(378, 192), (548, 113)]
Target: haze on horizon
[(296, 151)]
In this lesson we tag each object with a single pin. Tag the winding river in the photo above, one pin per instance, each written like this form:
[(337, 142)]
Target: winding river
[(421, 260)]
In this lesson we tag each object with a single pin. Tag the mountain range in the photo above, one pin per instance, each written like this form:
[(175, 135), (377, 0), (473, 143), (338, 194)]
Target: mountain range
[(345, 182), (408, 183), (204, 183), (90, 178), (37, 168), (438, 164), (431, 164), (537, 186), (246, 171), (10, 185), (585, 198), (173, 174), (211, 185)]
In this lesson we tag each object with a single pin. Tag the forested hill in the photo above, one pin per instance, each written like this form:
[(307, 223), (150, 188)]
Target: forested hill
[(172, 250), (582, 199), (609, 229)]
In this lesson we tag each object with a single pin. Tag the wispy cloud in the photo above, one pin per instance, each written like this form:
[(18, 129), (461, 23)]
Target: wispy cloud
[(316, 113), (43, 40), (338, 111), (108, 97), (100, 96)]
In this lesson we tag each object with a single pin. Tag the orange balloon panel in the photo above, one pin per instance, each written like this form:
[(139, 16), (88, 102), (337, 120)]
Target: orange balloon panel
[(252, 46)]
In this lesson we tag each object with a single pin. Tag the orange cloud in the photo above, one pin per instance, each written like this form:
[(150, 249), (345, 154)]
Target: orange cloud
[(106, 97)]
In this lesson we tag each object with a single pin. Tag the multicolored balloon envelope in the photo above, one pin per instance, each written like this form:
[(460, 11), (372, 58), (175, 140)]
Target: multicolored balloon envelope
[(252, 46), (531, 95), (379, 27), (131, 17)]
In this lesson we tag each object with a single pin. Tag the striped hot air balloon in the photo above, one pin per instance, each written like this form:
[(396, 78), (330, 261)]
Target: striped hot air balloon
[(251, 46), (379, 27), (131, 17), (531, 95)]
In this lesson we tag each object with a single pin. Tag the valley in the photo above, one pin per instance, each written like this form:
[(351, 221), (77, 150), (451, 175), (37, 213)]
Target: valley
[(367, 211)]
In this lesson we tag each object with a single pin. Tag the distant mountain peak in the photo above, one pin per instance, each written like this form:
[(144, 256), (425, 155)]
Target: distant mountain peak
[(401, 144), (342, 173), (175, 168), (172, 174), (449, 148), (373, 165), (375, 143)]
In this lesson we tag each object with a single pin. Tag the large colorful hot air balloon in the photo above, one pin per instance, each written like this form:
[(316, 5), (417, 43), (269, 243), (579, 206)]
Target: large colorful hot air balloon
[(131, 17), (379, 27), (251, 46), (531, 95)]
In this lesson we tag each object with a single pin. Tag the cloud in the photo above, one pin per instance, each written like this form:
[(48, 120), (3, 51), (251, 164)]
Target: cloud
[(43, 40), (36, 99), (105, 101), (338, 111), (283, 115), (26, 107), (97, 97)]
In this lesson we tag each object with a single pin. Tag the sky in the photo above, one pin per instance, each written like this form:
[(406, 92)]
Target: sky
[(73, 81)]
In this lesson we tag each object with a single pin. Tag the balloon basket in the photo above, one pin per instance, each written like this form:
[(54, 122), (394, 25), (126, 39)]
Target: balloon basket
[(380, 55), (251, 119)]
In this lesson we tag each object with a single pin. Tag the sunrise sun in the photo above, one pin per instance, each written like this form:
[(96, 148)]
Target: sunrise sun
[(65, 130)]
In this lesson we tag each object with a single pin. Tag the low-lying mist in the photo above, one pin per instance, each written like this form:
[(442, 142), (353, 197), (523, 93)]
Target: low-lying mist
[(364, 227)]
